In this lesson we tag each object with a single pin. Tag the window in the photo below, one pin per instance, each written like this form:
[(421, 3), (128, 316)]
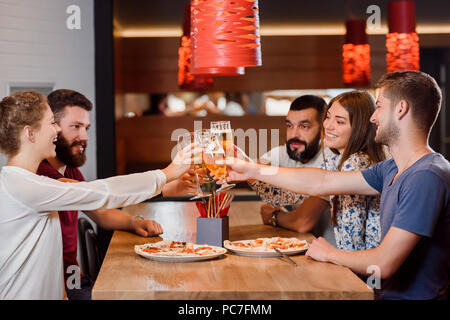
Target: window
[(44, 88)]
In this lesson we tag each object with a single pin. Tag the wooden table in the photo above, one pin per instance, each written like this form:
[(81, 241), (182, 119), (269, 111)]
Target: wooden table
[(125, 275)]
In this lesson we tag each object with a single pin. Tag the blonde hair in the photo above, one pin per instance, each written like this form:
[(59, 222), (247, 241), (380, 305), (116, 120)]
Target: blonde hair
[(25, 108)]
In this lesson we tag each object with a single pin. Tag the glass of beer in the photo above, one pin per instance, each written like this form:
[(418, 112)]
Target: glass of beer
[(206, 185), (223, 134), (183, 141)]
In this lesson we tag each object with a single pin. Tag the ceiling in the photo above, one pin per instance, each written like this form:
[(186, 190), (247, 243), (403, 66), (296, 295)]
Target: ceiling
[(277, 17)]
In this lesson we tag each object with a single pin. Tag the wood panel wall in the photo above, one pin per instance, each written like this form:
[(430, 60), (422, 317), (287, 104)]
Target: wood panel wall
[(145, 143), (150, 65)]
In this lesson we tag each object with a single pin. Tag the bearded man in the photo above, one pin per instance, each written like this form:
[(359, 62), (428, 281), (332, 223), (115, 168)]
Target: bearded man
[(302, 149)]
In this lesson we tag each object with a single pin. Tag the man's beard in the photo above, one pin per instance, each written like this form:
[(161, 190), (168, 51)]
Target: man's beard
[(309, 152), (389, 135), (64, 152)]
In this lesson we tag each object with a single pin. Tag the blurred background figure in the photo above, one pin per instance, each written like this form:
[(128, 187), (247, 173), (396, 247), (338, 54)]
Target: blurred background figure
[(159, 105), (204, 104), (237, 103)]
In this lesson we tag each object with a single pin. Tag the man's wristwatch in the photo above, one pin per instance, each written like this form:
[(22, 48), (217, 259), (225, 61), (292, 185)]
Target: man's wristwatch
[(134, 218), (273, 218)]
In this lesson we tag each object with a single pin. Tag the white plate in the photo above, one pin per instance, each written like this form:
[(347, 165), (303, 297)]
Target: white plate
[(252, 253), (160, 258)]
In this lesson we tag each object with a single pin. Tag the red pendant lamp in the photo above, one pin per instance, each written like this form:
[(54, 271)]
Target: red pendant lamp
[(186, 80), (402, 41), (231, 71), (356, 54), (237, 71), (225, 33)]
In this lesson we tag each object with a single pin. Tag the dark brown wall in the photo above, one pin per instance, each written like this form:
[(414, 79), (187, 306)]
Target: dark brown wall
[(145, 143), (289, 62)]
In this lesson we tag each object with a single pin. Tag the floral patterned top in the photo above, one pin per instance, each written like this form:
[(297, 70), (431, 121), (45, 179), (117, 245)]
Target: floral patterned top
[(278, 197), (358, 216)]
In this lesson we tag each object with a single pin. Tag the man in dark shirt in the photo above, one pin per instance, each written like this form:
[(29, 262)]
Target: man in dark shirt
[(71, 111), (413, 258)]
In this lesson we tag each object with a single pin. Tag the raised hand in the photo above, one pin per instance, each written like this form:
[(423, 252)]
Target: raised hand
[(186, 184), (239, 170), (183, 161), (240, 154)]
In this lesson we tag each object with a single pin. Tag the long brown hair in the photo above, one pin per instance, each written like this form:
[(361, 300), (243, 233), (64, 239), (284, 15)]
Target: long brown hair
[(360, 106)]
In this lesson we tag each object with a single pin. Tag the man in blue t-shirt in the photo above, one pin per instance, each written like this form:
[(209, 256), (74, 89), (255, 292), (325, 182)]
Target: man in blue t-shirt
[(414, 255)]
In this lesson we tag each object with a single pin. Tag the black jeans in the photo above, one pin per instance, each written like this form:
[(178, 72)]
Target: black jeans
[(84, 293)]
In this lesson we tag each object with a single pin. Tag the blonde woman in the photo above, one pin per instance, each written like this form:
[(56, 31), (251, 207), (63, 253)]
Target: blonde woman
[(31, 264)]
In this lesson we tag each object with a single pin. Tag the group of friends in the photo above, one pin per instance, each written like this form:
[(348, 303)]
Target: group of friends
[(357, 173)]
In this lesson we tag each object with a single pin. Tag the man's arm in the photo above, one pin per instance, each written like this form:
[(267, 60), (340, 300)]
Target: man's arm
[(67, 180), (301, 220), (388, 256), (424, 191), (311, 181), (115, 219)]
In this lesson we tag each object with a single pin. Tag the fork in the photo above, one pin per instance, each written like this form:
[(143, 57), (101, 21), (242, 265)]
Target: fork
[(285, 256)]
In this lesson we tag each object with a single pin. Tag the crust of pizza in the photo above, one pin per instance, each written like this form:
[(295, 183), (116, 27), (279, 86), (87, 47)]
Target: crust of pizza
[(177, 248), (267, 244)]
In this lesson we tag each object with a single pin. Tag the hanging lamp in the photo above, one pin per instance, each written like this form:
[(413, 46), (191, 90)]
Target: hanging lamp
[(187, 80), (356, 54), (223, 71), (402, 41), (225, 33)]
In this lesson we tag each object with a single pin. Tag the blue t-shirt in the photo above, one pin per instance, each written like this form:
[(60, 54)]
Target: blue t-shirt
[(418, 202)]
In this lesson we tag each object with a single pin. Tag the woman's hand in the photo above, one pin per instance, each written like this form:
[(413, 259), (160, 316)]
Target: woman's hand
[(187, 184), (183, 161)]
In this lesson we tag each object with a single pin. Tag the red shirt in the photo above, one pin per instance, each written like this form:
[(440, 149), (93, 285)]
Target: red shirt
[(67, 219)]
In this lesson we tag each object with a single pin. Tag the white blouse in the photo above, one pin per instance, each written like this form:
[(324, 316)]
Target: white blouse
[(31, 262)]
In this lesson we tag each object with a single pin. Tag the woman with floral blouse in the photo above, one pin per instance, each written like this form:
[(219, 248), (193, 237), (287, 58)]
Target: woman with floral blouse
[(350, 137)]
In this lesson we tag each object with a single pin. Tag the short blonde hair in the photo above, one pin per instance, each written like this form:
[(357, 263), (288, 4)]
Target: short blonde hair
[(25, 108)]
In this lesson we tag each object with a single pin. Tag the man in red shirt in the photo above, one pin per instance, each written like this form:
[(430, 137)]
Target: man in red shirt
[(71, 111)]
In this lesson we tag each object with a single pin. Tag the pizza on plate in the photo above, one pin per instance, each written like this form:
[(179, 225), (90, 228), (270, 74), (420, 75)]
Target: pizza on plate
[(267, 244), (178, 248)]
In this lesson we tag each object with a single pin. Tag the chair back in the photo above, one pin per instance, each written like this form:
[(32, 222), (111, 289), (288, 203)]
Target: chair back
[(83, 225), (93, 254)]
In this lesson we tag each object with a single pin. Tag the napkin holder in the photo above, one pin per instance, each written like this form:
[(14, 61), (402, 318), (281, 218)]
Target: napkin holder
[(213, 231)]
